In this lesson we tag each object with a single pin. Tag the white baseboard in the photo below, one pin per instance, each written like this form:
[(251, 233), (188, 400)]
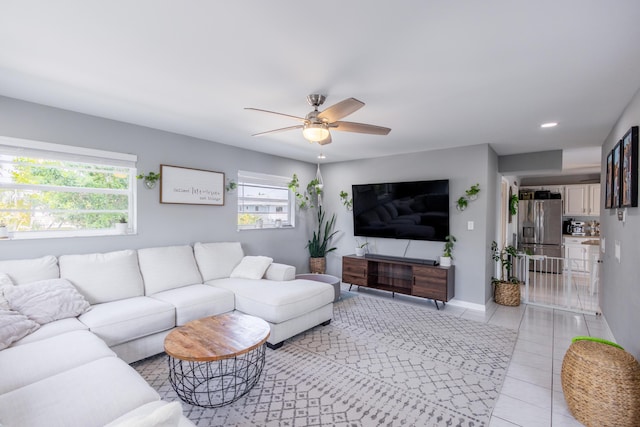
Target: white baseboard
[(470, 305)]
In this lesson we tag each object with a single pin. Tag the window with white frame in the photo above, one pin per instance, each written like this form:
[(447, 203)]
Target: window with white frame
[(53, 190), (264, 201)]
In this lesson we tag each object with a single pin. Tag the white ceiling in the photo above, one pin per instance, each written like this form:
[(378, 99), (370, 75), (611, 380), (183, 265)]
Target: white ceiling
[(439, 73)]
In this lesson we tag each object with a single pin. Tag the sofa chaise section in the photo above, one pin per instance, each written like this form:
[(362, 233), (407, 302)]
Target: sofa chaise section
[(289, 305)]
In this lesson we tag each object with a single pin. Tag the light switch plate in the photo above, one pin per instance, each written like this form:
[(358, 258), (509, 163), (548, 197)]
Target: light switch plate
[(617, 250)]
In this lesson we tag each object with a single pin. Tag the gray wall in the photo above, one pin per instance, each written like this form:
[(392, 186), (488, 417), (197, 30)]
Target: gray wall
[(463, 167), (619, 283), (158, 224), (161, 224)]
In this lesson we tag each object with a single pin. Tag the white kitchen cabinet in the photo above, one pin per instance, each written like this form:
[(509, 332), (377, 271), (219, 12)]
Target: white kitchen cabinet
[(582, 200), (576, 254), (593, 208), (576, 200)]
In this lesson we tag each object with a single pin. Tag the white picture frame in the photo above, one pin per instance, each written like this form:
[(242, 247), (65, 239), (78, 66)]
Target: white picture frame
[(180, 185)]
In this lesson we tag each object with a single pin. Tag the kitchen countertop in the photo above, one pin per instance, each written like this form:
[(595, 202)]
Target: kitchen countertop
[(593, 242)]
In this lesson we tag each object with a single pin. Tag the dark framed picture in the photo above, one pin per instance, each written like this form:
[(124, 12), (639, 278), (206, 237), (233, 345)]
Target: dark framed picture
[(615, 172), (608, 186), (629, 173)]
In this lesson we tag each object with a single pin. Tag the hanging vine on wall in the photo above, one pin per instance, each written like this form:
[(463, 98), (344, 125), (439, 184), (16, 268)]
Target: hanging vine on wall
[(470, 195)]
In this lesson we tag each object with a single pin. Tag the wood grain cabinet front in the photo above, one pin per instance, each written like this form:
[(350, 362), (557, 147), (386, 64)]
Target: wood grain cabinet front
[(354, 270), (398, 275)]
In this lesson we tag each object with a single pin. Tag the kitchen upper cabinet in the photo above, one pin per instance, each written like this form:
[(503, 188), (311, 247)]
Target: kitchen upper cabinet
[(575, 200), (594, 200), (582, 200)]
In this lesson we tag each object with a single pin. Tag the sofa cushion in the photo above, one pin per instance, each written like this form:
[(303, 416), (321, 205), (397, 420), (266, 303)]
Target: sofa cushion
[(217, 260), (252, 267), (13, 326), (276, 301), (167, 268), (278, 271), (47, 300), (120, 321), (23, 271), (90, 395), (44, 358), (52, 329), (197, 301), (154, 414), (104, 277)]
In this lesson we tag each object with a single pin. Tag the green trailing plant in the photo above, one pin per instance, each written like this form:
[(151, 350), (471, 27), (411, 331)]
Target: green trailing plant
[(473, 191), (150, 177), (231, 185), (319, 244), (513, 204), (346, 200), (462, 203), (309, 198), (450, 241), (506, 256)]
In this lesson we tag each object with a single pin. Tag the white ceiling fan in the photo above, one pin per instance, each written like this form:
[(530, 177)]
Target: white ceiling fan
[(315, 125)]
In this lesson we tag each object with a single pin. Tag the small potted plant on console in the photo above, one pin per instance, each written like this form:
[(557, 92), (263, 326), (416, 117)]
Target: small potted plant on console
[(445, 259), (361, 249)]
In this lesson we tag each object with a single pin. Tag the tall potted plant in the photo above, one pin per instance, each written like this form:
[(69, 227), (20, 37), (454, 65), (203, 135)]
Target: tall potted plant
[(319, 244), (507, 286)]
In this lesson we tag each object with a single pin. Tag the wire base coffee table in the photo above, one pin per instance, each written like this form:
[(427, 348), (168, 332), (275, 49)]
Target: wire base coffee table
[(216, 360)]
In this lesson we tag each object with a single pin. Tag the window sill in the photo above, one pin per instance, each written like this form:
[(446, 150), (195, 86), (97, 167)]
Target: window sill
[(63, 234)]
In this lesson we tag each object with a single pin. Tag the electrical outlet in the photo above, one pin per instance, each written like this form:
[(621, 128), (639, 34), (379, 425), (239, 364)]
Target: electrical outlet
[(470, 225)]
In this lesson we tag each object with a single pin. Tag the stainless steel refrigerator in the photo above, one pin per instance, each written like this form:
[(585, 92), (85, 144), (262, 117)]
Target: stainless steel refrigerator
[(540, 230)]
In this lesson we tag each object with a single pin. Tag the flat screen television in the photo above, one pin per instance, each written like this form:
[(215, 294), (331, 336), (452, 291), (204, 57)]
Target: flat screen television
[(417, 210)]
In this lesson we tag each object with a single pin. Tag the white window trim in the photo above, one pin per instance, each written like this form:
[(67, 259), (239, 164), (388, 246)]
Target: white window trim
[(258, 178), (31, 148)]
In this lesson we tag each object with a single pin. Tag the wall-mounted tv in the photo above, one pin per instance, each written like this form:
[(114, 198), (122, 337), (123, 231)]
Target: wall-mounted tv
[(417, 210)]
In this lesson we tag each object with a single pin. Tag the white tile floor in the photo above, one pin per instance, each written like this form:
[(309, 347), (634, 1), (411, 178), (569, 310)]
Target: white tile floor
[(532, 393)]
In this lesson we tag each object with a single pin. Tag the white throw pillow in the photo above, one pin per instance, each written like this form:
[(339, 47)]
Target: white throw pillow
[(47, 300), (5, 282), (14, 326), (252, 267), (165, 416)]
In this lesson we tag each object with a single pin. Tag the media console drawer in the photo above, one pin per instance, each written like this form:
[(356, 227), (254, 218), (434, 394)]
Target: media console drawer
[(400, 276)]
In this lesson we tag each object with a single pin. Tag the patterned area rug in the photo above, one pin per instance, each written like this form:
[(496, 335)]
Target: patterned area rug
[(379, 362)]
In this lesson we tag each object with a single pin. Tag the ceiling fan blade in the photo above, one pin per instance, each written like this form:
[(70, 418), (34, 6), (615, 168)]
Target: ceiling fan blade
[(278, 130), (302, 119), (360, 128), (325, 141), (341, 109)]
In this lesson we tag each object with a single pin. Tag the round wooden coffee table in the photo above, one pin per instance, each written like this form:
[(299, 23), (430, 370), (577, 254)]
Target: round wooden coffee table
[(215, 360)]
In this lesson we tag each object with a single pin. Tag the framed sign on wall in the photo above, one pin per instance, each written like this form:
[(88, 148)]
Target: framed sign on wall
[(180, 185)]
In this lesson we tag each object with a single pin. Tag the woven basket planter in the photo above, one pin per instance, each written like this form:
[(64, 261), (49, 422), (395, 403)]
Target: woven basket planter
[(601, 385), (318, 265), (507, 293)]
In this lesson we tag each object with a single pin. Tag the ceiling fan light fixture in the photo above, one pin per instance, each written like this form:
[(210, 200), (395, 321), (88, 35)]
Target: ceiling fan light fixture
[(315, 132)]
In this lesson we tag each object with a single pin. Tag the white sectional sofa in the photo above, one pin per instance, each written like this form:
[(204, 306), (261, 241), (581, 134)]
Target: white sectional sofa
[(73, 370)]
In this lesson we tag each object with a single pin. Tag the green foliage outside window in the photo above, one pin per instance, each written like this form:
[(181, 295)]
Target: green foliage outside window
[(62, 195)]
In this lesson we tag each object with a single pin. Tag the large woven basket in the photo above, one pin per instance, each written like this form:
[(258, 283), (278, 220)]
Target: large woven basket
[(507, 293), (318, 265), (601, 385)]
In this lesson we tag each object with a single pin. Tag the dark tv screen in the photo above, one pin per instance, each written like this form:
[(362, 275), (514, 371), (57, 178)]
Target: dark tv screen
[(417, 210)]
